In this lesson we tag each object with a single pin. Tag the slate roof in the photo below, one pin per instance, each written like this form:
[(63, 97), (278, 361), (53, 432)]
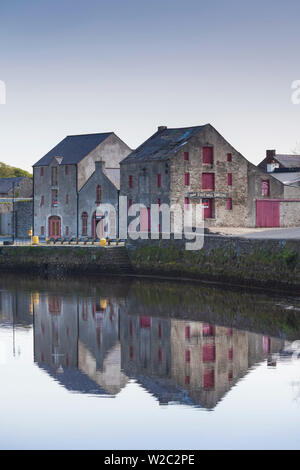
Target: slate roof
[(287, 177), (6, 184), (73, 148), (288, 161), (163, 144)]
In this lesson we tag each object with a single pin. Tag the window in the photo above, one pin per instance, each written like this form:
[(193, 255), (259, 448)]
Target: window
[(67, 231), (208, 181), (54, 175), (230, 354), (229, 157), (207, 329), (131, 352), (229, 179), (186, 179), (67, 198), (42, 171), (159, 355), (187, 380), (84, 220), (130, 328), (187, 355), (67, 169), (265, 188), (187, 332), (208, 208), (98, 194), (159, 180), (158, 202), (186, 203), (130, 202), (229, 204), (186, 156), (208, 379), (208, 155), (130, 181), (208, 353), (145, 322), (42, 200), (54, 197), (42, 231), (159, 331)]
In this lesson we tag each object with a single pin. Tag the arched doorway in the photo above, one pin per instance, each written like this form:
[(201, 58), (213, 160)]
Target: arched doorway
[(98, 226), (54, 227)]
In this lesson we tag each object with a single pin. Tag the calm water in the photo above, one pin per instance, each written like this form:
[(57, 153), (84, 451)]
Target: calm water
[(128, 364)]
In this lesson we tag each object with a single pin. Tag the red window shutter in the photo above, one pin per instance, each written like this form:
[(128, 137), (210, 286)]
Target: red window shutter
[(130, 181), (208, 353), (265, 188), (209, 379), (186, 156), (208, 181), (229, 157), (208, 155), (187, 332), (145, 322), (187, 179), (187, 355), (159, 180), (229, 179), (229, 204), (230, 354)]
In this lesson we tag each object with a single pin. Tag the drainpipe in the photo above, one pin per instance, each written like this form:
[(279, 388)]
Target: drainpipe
[(33, 203), (77, 195)]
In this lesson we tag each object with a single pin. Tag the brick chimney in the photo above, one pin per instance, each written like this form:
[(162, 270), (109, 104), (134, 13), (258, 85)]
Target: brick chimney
[(271, 154), (100, 165), (161, 128)]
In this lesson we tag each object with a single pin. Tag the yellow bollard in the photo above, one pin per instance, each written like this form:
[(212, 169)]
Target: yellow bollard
[(103, 303), (102, 242), (35, 240)]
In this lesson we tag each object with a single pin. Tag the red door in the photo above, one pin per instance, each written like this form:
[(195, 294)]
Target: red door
[(54, 227), (268, 213), (145, 220), (208, 208)]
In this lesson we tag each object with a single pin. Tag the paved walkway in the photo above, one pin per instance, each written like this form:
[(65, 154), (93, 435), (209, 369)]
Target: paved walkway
[(262, 233)]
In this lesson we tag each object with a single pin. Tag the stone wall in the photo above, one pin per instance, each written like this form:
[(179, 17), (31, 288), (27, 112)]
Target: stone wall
[(265, 263), (23, 218)]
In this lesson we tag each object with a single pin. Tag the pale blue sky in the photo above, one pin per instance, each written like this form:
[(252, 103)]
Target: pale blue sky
[(130, 65)]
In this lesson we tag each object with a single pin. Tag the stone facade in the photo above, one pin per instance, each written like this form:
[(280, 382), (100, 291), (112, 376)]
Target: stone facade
[(65, 185), (237, 184)]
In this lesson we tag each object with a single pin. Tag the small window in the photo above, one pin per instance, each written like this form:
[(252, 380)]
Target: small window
[(42, 171), (186, 179), (67, 198), (54, 197), (42, 231), (230, 354), (130, 203), (98, 194), (229, 179), (229, 157), (54, 176), (208, 353), (84, 220), (159, 180), (208, 379), (42, 200), (208, 155), (187, 332), (159, 331), (187, 355), (67, 231), (187, 380), (159, 355), (130, 181), (158, 202), (265, 188), (145, 322), (67, 169), (186, 203), (186, 156), (229, 204)]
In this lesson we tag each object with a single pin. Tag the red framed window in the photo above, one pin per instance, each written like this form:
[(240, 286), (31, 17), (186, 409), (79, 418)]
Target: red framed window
[(186, 156), (229, 157), (208, 181), (265, 188), (130, 328), (130, 181), (230, 354), (159, 202), (187, 332), (159, 355), (186, 179), (186, 203), (42, 231), (187, 380), (131, 352), (54, 197), (67, 231), (208, 353), (208, 155), (229, 179), (159, 331), (67, 198), (230, 376), (42, 171), (84, 221), (67, 169), (229, 204), (159, 180), (42, 200), (229, 332), (208, 330), (54, 175), (187, 355), (145, 322), (209, 379)]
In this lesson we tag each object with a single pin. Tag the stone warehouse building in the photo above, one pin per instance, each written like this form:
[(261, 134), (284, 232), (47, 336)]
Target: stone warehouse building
[(196, 164), (15, 197), (72, 179)]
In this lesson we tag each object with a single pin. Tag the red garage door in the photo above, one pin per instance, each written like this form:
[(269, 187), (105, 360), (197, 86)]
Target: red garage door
[(268, 213)]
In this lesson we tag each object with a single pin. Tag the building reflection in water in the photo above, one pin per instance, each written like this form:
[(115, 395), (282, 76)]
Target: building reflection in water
[(93, 345)]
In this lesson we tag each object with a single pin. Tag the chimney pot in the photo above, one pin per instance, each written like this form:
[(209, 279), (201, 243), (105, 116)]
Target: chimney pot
[(161, 128), (271, 154)]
